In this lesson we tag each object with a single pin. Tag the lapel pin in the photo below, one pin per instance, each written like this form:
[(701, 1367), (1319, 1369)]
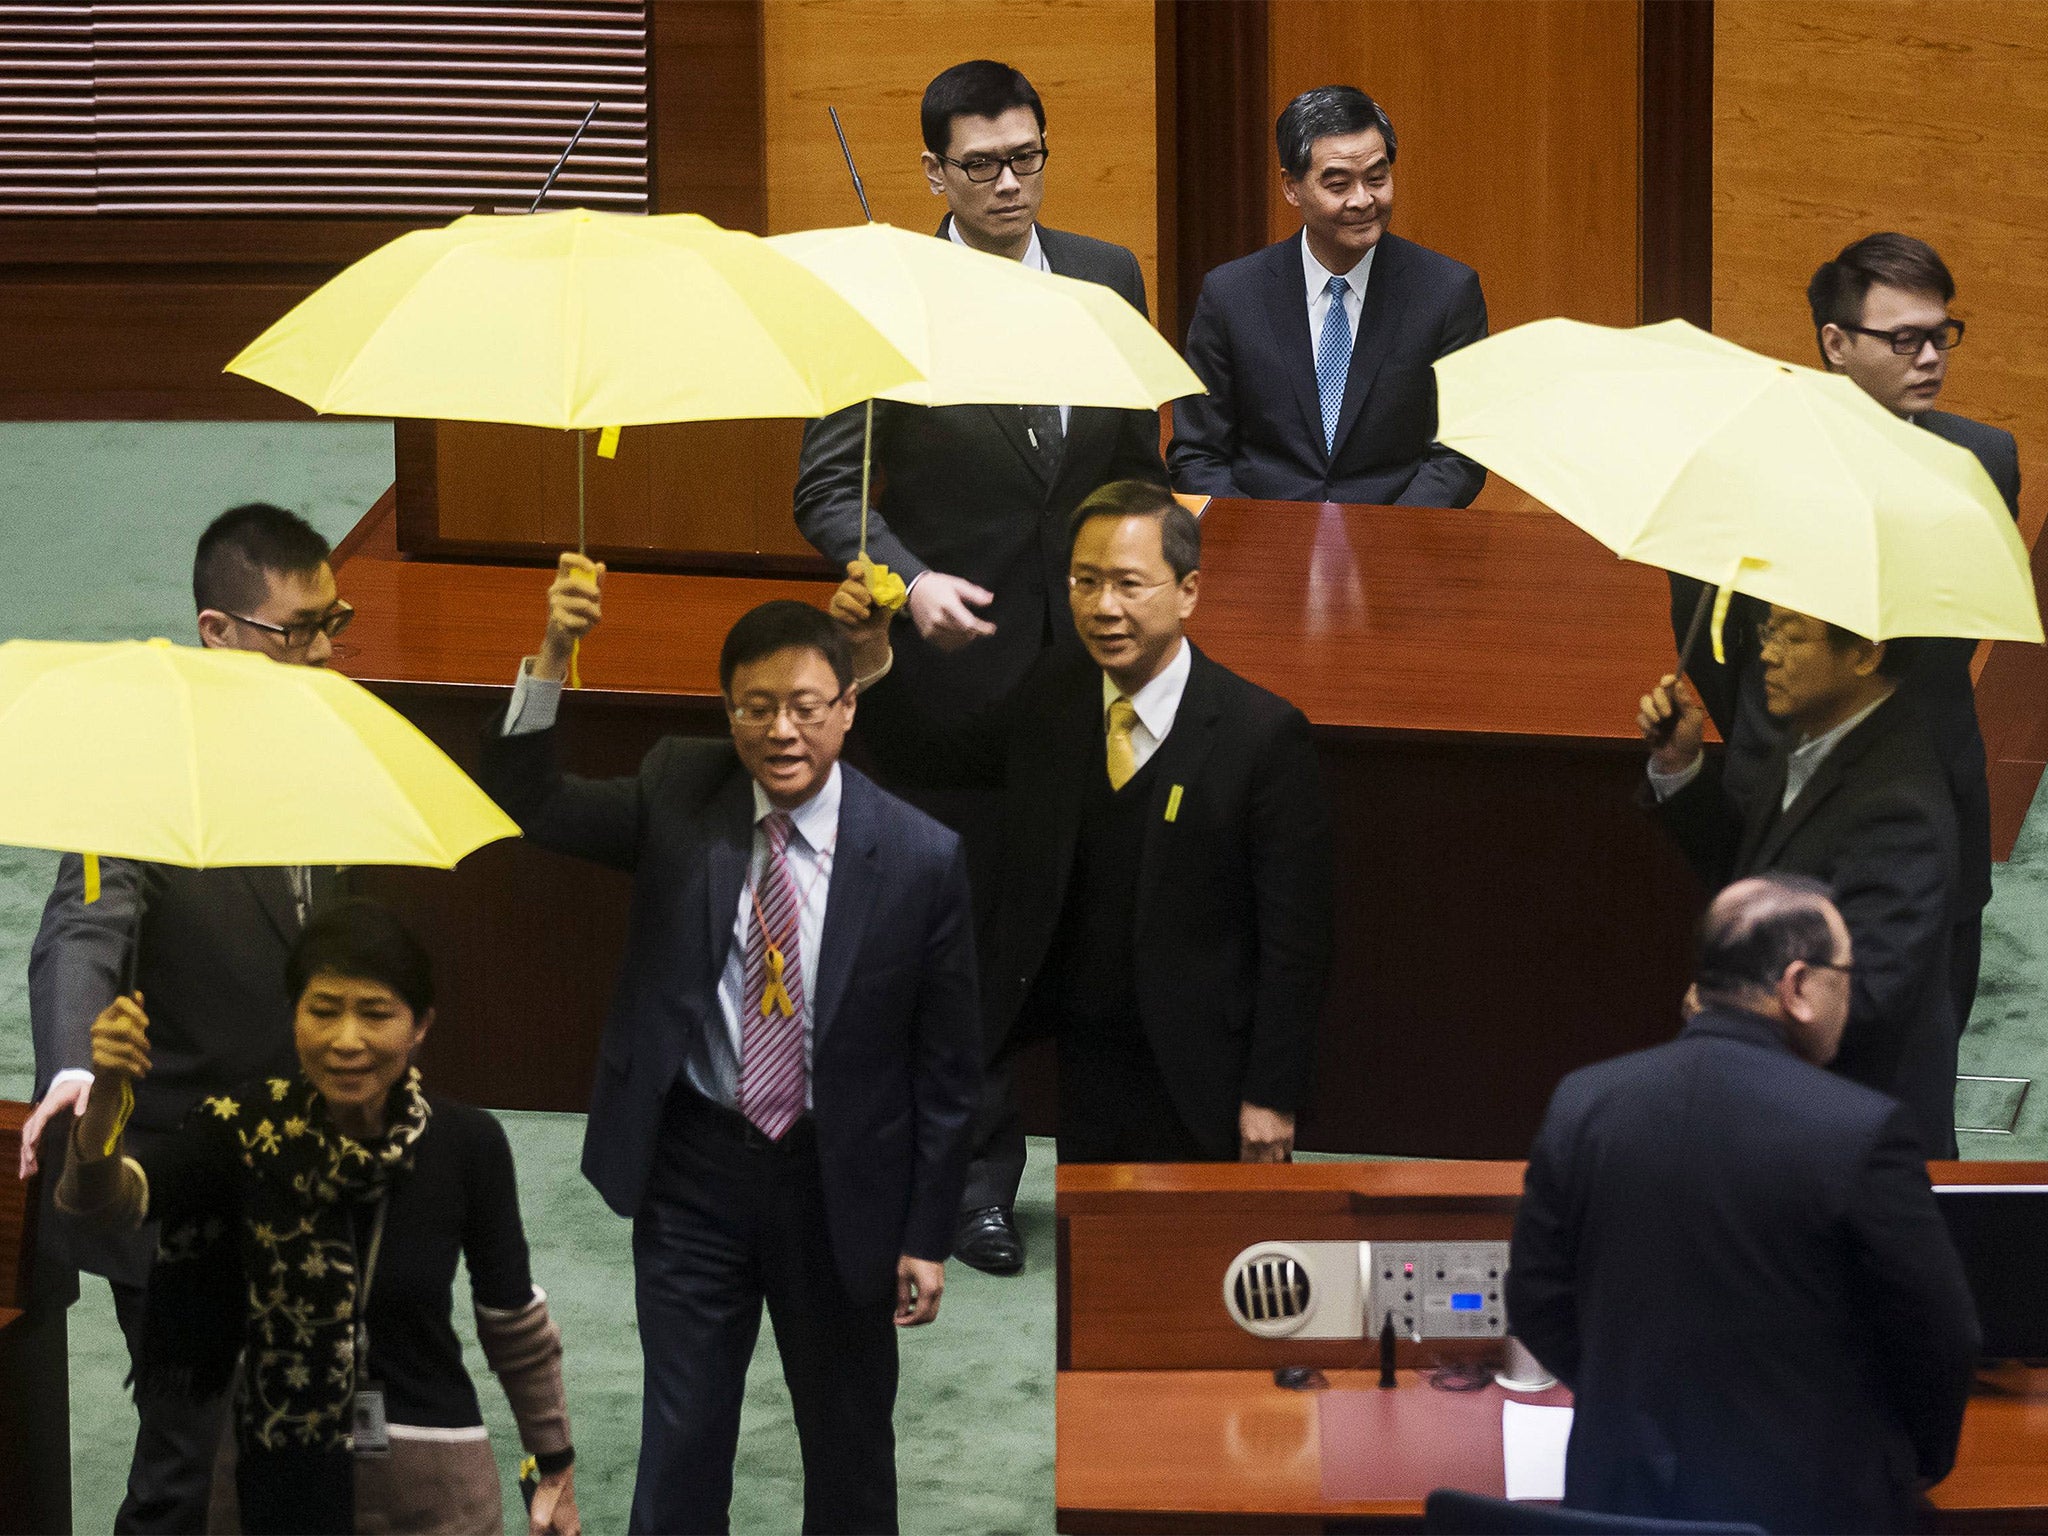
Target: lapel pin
[(1173, 804)]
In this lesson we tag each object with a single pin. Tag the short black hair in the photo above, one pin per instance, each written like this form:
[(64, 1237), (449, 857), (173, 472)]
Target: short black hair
[(784, 625), (978, 88), (363, 941), (1747, 946), (1328, 111), (1893, 663), (1180, 531), (1839, 288), (246, 545)]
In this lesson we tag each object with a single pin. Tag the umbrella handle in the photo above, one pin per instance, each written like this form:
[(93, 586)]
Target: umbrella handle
[(867, 451), (1700, 609), (582, 547)]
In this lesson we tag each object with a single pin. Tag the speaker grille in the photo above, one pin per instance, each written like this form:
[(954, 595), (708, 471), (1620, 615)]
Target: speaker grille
[(1270, 1292)]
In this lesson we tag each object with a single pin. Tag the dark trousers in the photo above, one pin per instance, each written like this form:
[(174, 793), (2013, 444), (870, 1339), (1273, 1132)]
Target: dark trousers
[(170, 1477), (1114, 1106), (731, 1221), (1965, 958)]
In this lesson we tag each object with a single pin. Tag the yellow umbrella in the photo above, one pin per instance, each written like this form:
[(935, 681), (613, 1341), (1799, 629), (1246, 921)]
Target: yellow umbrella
[(1687, 452), (986, 331), (575, 320), (202, 758)]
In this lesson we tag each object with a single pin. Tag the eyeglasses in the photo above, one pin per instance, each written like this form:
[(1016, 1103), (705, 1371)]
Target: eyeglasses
[(986, 168), (299, 635), (1846, 967), (1907, 340), (1128, 589), (805, 710)]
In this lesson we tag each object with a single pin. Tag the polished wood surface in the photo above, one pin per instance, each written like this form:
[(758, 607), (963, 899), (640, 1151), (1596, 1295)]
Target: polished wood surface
[(1230, 1451), (1677, 162), (1216, 162), (1518, 124), (1814, 146), (1092, 62)]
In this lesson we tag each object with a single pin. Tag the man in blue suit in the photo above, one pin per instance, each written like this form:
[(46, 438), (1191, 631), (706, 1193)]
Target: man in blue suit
[(1317, 351), (790, 1063)]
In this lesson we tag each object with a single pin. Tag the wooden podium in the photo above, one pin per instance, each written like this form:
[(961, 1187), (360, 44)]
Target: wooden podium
[(35, 1387), (1170, 1419)]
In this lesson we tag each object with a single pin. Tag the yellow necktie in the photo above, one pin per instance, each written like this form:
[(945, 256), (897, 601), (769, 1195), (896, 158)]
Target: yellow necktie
[(1123, 755)]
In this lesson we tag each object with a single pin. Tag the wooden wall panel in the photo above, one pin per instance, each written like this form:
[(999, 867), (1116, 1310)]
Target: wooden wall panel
[(1931, 117), (1091, 60), (1517, 122)]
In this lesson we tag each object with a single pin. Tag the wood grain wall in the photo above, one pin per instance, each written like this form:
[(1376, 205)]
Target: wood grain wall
[(1518, 128), (1835, 119), (1091, 60)]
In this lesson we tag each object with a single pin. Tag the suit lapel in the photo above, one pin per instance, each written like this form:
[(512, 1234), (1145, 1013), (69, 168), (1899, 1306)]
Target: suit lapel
[(1287, 307), (1827, 778), (272, 888), (847, 901), (1181, 758), (729, 846), (1765, 817), (1369, 346)]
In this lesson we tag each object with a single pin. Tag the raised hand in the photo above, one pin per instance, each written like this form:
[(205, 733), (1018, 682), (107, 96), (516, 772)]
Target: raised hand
[(575, 608)]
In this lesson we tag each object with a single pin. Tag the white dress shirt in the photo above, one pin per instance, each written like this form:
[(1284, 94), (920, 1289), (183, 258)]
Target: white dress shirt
[(1034, 258), (1317, 277), (1156, 704), (713, 1062), (1800, 767)]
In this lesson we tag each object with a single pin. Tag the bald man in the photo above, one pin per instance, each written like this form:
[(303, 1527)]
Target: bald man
[(1733, 1258)]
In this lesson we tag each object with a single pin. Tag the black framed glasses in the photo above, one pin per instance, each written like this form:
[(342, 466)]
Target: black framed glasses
[(1907, 340), (297, 636), (1846, 967), (986, 168), (759, 714)]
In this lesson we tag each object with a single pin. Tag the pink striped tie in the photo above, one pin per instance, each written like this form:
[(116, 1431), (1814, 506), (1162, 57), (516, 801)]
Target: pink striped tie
[(772, 1072)]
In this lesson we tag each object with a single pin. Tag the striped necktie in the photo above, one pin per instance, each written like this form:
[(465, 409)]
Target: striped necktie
[(772, 1069), (1333, 361)]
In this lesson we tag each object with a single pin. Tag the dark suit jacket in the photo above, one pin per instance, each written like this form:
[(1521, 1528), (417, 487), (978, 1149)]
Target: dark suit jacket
[(211, 972), (1259, 430), (895, 1033), (1936, 672), (961, 491), (1875, 824), (1734, 1260), (1233, 921)]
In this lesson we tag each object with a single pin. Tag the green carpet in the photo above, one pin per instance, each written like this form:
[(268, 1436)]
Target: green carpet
[(97, 524)]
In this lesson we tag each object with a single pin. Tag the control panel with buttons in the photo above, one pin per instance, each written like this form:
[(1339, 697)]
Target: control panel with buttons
[(1439, 1290)]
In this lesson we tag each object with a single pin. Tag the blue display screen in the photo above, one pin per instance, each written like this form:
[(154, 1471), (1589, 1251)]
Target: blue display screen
[(1464, 1301)]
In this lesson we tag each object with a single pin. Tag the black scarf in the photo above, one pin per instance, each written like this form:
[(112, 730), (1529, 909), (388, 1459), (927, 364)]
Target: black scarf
[(273, 1276)]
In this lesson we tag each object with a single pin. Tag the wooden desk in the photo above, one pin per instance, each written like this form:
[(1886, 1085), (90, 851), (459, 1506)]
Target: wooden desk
[(1168, 1416), (1505, 912)]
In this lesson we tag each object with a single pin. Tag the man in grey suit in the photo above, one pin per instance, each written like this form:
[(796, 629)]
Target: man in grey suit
[(974, 499), (1317, 351), (208, 951)]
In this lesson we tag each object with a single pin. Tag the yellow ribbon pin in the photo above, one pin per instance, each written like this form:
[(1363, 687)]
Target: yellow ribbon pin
[(1173, 804), (775, 995), (92, 878)]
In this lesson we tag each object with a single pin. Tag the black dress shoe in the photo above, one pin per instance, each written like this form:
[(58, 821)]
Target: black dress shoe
[(988, 1241)]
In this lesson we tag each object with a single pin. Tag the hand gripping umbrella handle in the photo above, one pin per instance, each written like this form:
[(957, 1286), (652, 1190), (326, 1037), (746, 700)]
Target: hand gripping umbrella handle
[(1700, 609)]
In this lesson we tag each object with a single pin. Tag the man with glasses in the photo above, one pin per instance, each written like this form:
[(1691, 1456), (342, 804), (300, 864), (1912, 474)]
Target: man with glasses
[(974, 499), (790, 1062), (1880, 315), (1851, 795), (1164, 912), (207, 949), (1734, 1259)]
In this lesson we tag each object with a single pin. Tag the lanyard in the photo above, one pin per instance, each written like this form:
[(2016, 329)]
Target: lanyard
[(368, 1274), (774, 995)]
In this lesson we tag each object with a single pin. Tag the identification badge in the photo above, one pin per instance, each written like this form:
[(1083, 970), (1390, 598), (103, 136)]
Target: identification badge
[(373, 1434)]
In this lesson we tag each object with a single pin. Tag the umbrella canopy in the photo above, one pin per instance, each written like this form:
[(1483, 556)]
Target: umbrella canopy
[(575, 319), (148, 750), (1687, 452), (983, 330)]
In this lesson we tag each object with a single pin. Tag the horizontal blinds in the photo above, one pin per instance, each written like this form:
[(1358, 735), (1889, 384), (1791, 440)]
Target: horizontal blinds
[(46, 146), (363, 109)]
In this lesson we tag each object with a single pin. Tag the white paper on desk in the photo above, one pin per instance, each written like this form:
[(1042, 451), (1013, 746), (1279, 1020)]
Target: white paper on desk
[(1532, 1440)]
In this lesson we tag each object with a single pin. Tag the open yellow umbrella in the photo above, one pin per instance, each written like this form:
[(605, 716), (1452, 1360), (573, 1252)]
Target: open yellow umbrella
[(201, 758), (983, 330), (1687, 452)]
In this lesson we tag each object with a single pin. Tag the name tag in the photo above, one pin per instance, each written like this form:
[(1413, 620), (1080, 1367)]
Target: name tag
[(372, 1432)]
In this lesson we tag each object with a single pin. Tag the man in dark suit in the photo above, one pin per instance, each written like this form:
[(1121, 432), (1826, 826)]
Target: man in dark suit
[(790, 1063), (1164, 908), (1317, 351), (208, 949), (1880, 315), (1852, 795), (1734, 1260), (974, 499)]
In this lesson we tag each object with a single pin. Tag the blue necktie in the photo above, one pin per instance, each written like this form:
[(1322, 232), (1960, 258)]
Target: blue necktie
[(1333, 362)]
